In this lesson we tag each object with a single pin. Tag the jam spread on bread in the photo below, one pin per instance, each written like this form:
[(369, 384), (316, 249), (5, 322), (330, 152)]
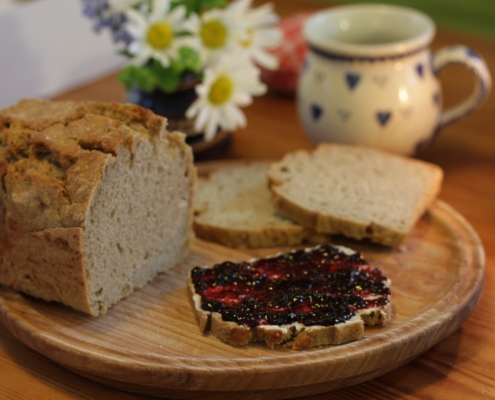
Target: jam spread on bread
[(323, 286)]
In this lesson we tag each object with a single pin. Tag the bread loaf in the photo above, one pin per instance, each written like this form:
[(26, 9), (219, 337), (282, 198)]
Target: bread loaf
[(358, 192), (233, 207), (96, 200), (301, 299)]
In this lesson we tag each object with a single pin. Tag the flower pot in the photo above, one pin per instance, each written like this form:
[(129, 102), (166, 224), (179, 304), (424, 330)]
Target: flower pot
[(173, 106)]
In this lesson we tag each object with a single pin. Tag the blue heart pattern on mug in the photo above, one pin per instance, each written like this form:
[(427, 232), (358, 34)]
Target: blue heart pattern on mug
[(316, 111), (319, 77), (344, 115), (437, 99), (383, 117), (381, 81), (407, 112), (420, 70), (352, 80)]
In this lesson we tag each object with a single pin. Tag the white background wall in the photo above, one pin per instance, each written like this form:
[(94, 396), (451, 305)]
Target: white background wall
[(47, 47)]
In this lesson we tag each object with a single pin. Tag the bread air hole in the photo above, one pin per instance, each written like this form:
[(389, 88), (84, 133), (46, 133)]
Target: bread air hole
[(42, 205), (121, 250)]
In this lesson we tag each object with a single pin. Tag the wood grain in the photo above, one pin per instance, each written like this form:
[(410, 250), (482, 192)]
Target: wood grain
[(458, 367), (149, 343)]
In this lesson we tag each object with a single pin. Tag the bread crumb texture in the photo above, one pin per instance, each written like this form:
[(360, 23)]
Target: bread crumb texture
[(358, 192), (96, 199), (233, 207)]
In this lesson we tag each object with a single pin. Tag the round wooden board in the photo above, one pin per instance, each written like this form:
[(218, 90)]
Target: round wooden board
[(149, 343)]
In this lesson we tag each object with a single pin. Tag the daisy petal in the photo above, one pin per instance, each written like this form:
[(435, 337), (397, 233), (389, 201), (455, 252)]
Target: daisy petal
[(262, 16), (193, 109), (269, 38), (142, 57), (202, 118), (238, 116), (134, 48), (176, 15), (242, 98), (212, 127), (227, 121), (192, 23), (267, 60), (135, 31), (136, 19), (163, 58), (160, 9)]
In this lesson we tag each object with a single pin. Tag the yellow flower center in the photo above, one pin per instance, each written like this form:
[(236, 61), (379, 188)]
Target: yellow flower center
[(160, 35), (214, 34), (221, 90), (249, 40)]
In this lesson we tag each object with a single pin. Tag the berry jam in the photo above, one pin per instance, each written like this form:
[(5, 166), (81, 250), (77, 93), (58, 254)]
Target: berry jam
[(318, 286)]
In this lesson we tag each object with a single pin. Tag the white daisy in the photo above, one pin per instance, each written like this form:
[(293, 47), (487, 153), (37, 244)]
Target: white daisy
[(229, 84), (261, 35), (155, 34), (215, 33)]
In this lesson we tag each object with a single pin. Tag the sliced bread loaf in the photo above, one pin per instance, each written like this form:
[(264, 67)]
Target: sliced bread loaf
[(354, 191), (233, 207), (95, 200)]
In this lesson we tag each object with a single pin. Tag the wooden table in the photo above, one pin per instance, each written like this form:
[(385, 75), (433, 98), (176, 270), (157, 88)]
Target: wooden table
[(460, 366)]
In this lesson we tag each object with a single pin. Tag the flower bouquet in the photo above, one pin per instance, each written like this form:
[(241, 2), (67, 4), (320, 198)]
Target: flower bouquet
[(212, 46)]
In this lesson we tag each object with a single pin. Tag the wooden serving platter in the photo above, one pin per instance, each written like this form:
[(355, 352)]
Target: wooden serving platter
[(149, 343)]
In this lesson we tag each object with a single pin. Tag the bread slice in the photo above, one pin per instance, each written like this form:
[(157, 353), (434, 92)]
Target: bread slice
[(233, 207), (354, 191), (96, 200), (305, 298)]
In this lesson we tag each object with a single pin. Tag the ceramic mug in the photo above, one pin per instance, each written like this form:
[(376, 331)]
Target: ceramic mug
[(369, 78)]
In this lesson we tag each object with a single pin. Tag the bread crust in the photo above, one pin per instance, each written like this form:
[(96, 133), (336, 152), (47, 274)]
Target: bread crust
[(295, 336), (328, 224), (252, 238), (49, 265)]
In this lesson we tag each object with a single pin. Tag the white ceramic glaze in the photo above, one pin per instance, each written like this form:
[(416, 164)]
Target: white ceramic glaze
[(370, 79)]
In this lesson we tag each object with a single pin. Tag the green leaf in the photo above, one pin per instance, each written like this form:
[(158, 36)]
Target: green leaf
[(213, 3), (146, 79), (128, 77), (166, 79), (142, 77), (198, 6), (190, 58), (154, 76)]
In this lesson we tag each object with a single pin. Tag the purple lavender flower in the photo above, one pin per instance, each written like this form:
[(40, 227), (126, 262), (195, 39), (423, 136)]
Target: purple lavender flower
[(94, 8), (97, 10), (123, 37)]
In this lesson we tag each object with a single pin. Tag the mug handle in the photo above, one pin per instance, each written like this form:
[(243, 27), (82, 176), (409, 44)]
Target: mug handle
[(474, 62)]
